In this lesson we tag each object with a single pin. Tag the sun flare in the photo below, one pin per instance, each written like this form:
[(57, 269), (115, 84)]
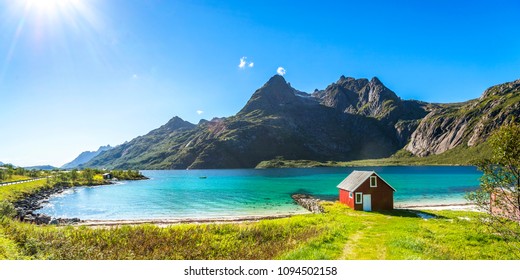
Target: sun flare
[(49, 5)]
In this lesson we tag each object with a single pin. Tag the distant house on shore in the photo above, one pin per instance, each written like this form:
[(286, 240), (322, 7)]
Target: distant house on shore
[(107, 176), (367, 191)]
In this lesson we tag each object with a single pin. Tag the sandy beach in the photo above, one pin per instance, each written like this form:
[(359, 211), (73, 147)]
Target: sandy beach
[(166, 222), (456, 207), (241, 219)]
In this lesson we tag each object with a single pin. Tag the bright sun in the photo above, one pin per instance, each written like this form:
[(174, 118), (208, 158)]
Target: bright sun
[(51, 6), (48, 3)]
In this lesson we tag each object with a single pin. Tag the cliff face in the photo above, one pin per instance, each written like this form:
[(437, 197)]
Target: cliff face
[(467, 124), (350, 119), (375, 100)]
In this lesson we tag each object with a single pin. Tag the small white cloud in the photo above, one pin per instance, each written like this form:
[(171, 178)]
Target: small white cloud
[(243, 62), (200, 112), (281, 71), (134, 76)]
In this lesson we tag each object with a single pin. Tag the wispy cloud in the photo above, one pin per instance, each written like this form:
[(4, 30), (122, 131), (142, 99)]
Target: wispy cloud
[(200, 112), (243, 63), (281, 71), (135, 76)]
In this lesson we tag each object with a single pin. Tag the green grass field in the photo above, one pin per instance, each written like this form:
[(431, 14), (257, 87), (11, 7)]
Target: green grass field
[(340, 233)]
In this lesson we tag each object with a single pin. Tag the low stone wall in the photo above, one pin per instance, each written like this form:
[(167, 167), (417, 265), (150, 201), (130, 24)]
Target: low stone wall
[(308, 202)]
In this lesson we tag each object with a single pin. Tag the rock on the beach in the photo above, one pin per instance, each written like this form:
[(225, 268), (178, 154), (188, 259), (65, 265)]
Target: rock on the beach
[(308, 202), (26, 206), (42, 219)]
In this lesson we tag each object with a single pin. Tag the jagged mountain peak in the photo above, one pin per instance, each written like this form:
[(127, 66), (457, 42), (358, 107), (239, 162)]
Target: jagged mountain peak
[(176, 119), (276, 80), (376, 81), (350, 83), (360, 96), (176, 123), (272, 95)]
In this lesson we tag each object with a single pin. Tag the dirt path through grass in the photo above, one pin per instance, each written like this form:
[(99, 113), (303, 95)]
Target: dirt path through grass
[(348, 250), (370, 242)]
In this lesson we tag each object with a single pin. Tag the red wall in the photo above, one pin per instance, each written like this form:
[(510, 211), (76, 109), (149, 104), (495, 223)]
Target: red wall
[(382, 196), (345, 199)]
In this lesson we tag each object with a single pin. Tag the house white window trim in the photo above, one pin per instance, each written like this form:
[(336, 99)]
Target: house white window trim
[(350, 194), (375, 181), (359, 198)]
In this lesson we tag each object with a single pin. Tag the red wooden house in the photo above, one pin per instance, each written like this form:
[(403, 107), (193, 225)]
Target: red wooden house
[(367, 191)]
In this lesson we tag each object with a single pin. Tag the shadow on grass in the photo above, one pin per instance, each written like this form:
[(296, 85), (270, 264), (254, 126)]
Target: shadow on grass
[(411, 214)]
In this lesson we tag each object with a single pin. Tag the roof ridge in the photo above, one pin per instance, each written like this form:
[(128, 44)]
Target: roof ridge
[(356, 178)]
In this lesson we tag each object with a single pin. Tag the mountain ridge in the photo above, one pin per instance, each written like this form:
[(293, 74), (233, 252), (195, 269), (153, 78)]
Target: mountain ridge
[(84, 157), (350, 119)]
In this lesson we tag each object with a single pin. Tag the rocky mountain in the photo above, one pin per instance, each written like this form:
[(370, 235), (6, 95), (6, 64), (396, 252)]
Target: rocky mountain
[(279, 121), (373, 99), (350, 119), (466, 124), (85, 157)]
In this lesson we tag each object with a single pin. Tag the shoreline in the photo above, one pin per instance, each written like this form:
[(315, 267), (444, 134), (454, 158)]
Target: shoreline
[(444, 206), (176, 221), (252, 218), (27, 206)]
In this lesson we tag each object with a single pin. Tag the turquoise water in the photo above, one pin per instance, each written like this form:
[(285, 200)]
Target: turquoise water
[(244, 192)]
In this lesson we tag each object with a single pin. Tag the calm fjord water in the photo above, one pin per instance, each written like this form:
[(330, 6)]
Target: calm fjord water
[(245, 192)]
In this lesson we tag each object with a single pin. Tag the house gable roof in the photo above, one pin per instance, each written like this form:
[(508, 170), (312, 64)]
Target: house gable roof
[(356, 178)]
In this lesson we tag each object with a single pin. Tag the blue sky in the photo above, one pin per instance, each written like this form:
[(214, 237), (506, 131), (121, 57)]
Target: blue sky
[(78, 74)]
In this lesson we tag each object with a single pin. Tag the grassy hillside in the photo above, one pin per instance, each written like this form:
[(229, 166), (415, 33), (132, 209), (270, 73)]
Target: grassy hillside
[(456, 156)]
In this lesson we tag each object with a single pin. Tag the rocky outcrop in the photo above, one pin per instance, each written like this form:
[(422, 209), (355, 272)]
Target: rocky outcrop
[(467, 124), (369, 98), (308, 202), (27, 206), (437, 133)]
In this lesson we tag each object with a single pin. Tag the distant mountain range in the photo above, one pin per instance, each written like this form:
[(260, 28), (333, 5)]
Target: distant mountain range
[(350, 119), (85, 157), (40, 167)]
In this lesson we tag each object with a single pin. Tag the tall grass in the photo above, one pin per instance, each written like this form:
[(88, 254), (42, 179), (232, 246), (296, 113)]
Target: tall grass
[(262, 240)]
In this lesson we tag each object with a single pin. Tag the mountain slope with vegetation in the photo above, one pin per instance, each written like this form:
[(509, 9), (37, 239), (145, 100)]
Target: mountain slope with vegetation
[(352, 119)]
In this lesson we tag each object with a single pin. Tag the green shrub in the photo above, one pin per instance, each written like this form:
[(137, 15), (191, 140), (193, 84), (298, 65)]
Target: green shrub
[(7, 209)]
